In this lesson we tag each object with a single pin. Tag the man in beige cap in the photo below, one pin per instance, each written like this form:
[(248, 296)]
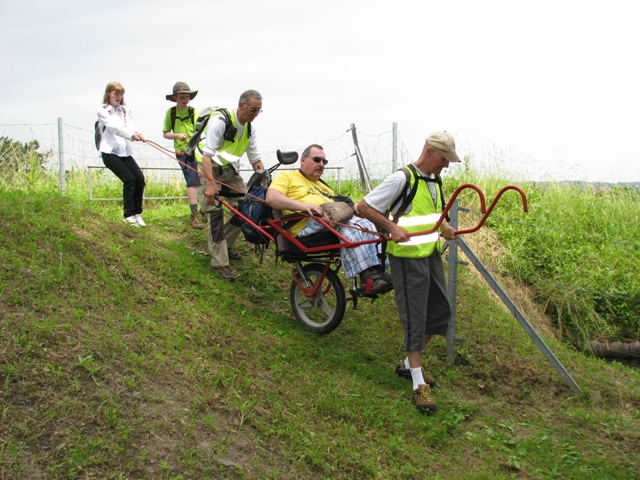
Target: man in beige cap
[(411, 200)]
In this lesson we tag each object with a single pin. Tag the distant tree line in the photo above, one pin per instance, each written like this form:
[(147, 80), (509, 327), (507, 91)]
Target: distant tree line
[(21, 157)]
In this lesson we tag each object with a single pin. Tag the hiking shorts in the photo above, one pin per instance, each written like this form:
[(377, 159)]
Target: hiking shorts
[(190, 175), (421, 297)]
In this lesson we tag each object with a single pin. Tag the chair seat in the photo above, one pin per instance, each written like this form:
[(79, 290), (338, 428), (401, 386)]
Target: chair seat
[(323, 237)]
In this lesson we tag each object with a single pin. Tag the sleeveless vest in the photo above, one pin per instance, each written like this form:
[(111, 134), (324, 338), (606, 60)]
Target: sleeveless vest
[(423, 216)]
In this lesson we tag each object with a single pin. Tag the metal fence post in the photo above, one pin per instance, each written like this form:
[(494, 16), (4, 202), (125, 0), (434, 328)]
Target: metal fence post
[(519, 316), (61, 157), (364, 175), (452, 258)]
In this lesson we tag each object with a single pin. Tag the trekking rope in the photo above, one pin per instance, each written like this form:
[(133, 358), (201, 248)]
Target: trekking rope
[(171, 154)]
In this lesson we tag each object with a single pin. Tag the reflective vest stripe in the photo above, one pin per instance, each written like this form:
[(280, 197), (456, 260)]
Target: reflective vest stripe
[(422, 239), (423, 216), (418, 220)]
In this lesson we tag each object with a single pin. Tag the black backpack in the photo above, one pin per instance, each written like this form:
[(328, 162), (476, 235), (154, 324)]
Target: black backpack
[(97, 131), (255, 208), (407, 198), (201, 125)]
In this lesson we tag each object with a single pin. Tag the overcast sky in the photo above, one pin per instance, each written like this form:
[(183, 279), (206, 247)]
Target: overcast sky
[(547, 88)]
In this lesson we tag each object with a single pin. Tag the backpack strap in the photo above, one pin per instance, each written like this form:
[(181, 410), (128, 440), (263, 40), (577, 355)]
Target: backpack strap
[(229, 130), (408, 198), (174, 115)]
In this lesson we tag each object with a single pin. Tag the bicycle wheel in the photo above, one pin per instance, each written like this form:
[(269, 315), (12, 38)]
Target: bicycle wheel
[(323, 312)]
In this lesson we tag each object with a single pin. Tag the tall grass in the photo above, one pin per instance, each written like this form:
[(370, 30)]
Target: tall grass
[(576, 248)]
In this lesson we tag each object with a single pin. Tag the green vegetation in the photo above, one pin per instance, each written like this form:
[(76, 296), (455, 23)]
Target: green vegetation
[(577, 249), (124, 357), (21, 163)]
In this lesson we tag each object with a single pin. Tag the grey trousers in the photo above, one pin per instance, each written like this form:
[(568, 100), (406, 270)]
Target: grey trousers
[(221, 236)]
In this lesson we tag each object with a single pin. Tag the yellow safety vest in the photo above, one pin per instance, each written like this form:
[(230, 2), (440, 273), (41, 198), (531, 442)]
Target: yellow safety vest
[(423, 216), (238, 146)]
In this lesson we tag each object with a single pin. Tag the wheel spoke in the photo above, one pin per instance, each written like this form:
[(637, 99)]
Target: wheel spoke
[(325, 310)]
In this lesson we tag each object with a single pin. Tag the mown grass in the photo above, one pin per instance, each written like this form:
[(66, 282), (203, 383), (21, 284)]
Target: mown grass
[(124, 357)]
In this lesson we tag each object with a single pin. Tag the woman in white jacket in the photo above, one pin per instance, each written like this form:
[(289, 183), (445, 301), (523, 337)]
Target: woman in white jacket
[(117, 131)]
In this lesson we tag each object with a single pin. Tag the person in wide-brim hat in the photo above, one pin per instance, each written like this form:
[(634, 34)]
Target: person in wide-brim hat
[(181, 87)]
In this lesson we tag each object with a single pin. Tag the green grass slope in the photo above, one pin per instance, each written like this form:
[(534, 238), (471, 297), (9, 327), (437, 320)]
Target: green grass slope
[(122, 356)]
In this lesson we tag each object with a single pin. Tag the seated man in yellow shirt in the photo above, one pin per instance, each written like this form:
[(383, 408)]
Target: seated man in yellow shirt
[(302, 191)]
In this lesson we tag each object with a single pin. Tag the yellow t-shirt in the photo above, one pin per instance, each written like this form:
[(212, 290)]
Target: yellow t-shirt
[(296, 186)]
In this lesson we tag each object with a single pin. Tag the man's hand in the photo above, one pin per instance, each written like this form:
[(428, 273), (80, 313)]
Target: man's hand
[(447, 231), (398, 234), (311, 209), (210, 193)]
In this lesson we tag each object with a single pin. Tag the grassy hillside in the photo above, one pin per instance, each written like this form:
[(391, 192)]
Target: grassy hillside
[(122, 356)]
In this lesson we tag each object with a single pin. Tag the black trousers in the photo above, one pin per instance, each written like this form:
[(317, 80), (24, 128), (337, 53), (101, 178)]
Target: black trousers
[(127, 170)]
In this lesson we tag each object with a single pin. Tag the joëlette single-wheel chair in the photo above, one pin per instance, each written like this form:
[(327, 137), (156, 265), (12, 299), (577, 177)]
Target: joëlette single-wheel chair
[(317, 295)]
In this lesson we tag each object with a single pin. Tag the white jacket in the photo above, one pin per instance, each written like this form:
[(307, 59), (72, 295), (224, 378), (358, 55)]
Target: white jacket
[(117, 127)]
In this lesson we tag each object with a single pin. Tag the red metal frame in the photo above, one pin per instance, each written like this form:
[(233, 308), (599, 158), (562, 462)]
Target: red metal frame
[(275, 225), (311, 292)]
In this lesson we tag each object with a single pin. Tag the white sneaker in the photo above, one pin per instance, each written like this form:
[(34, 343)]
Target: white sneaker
[(131, 221), (139, 220)]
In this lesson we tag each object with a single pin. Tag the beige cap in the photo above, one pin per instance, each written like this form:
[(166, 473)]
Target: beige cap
[(444, 142)]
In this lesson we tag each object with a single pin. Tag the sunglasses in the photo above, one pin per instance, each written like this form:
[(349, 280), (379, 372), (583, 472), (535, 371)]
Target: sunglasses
[(324, 161)]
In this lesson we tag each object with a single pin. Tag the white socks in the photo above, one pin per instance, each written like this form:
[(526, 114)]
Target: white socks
[(416, 376)]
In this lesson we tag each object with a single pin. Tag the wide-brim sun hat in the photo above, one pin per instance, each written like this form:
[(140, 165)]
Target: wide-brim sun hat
[(181, 87)]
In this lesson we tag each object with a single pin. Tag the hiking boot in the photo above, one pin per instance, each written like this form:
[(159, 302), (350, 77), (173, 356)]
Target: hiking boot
[(423, 400), (406, 373), (372, 280), (196, 221), (234, 254), (139, 219), (131, 221), (224, 273)]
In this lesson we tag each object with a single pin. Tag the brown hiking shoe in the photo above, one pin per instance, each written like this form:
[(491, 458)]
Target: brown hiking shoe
[(423, 399), (234, 254), (374, 280), (224, 273), (196, 221), (406, 373)]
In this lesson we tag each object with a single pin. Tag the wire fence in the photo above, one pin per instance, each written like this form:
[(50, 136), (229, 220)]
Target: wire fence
[(68, 147), (72, 148)]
